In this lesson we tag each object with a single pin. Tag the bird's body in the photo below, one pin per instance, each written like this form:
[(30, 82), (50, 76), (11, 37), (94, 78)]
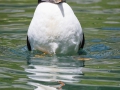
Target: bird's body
[(55, 29)]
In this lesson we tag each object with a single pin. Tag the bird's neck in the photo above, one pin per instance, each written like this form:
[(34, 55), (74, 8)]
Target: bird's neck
[(52, 1)]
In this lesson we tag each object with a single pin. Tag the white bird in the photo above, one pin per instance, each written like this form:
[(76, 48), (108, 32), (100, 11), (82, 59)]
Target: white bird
[(55, 29)]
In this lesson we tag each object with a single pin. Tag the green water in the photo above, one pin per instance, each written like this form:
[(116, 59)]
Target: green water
[(100, 20)]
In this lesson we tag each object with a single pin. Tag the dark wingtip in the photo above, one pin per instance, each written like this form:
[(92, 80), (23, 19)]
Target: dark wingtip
[(81, 45), (39, 1), (28, 44)]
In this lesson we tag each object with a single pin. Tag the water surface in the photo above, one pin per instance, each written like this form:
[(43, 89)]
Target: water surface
[(99, 69)]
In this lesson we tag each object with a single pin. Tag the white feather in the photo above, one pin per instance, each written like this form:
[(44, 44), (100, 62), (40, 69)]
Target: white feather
[(55, 29)]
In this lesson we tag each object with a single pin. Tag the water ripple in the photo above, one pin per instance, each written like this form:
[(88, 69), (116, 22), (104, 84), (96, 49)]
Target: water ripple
[(55, 69), (99, 69)]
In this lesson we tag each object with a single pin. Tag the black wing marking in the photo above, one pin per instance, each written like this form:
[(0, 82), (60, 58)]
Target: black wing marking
[(28, 44), (39, 1), (81, 45)]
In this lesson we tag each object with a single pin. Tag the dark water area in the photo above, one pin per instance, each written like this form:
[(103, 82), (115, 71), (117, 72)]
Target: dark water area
[(99, 69)]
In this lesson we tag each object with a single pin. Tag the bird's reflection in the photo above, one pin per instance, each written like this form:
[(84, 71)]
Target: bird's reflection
[(51, 73)]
